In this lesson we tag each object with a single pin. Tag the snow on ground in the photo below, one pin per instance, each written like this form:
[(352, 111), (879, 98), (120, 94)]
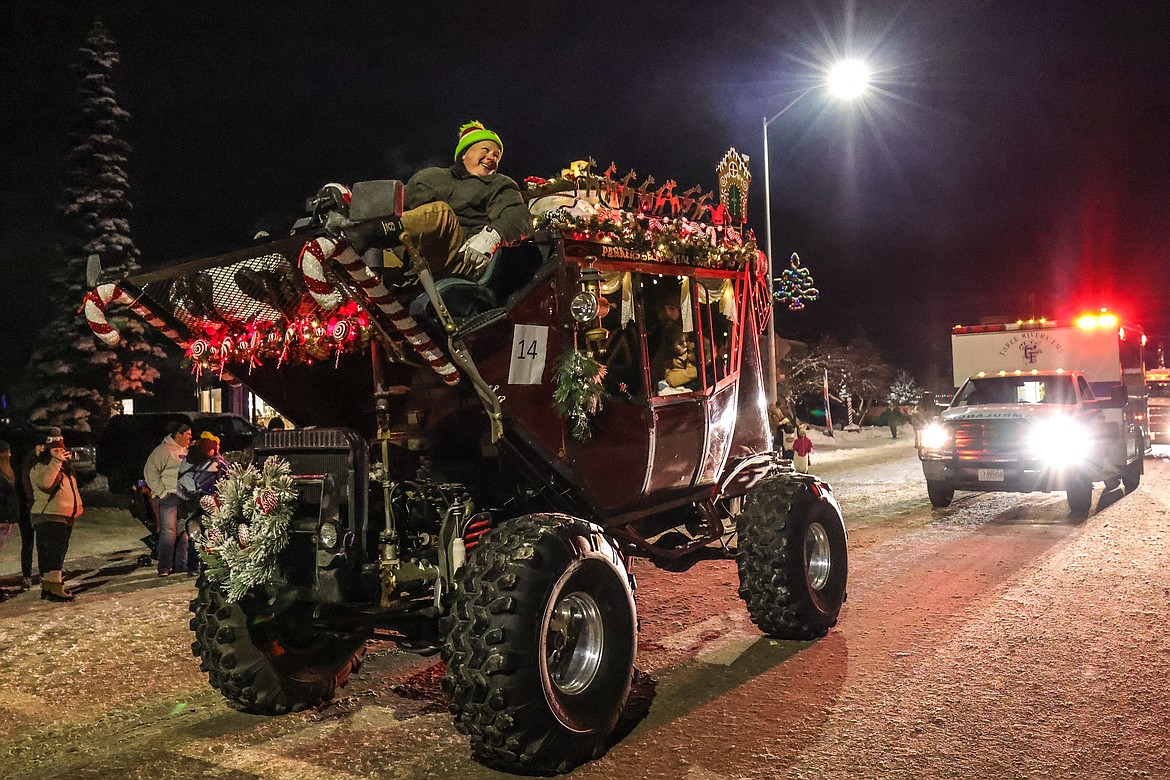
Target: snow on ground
[(843, 445)]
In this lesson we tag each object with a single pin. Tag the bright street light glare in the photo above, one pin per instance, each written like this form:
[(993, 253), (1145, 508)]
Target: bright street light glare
[(848, 79)]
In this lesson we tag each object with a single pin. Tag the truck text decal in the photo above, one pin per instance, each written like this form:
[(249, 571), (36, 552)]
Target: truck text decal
[(1031, 344)]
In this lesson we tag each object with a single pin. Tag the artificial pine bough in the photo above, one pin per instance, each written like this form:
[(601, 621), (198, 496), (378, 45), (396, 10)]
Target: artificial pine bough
[(579, 393), (247, 526)]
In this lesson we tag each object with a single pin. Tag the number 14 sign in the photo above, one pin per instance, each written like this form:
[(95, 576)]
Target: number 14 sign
[(529, 347)]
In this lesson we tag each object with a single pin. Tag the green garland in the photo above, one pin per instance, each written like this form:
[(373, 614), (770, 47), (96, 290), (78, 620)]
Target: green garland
[(579, 393), (247, 526), (669, 240)]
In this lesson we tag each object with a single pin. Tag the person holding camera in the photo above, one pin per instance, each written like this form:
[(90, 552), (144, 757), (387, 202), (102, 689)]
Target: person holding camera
[(56, 505)]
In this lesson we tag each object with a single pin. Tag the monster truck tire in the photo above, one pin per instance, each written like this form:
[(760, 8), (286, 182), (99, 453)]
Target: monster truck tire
[(540, 644), (941, 495), (1080, 498), (792, 559), (265, 655)]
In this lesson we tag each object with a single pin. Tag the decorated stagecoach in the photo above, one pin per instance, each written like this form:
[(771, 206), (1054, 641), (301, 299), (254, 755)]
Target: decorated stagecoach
[(475, 463)]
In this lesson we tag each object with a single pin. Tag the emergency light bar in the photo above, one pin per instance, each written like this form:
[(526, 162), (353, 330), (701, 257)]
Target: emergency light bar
[(1092, 321)]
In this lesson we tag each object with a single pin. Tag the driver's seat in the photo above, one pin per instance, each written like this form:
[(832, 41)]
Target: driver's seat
[(510, 270)]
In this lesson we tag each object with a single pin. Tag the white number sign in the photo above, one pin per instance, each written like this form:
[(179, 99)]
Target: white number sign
[(529, 346)]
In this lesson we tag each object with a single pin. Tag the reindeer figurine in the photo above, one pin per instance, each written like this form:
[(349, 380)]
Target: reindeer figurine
[(701, 206), (645, 198), (627, 193), (686, 200), (664, 196)]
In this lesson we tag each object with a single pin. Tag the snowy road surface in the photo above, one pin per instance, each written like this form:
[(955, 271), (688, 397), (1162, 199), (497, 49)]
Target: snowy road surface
[(993, 639)]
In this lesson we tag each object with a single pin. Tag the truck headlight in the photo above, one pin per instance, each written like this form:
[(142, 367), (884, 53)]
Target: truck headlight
[(1060, 441), (327, 536), (195, 526), (934, 437)]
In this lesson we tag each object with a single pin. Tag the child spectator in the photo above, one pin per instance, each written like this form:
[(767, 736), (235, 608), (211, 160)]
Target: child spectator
[(802, 447)]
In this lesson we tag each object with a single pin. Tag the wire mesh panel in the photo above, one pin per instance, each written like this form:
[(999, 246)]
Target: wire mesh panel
[(260, 291)]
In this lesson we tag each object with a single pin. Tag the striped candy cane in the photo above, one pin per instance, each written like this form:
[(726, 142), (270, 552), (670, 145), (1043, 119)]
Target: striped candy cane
[(320, 249), (103, 295), (312, 260)]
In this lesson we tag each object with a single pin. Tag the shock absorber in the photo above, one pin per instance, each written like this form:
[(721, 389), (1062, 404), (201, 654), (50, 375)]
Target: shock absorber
[(388, 538)]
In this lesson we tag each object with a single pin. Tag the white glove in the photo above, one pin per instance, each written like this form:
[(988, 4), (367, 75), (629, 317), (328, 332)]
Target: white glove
[(478, 249)]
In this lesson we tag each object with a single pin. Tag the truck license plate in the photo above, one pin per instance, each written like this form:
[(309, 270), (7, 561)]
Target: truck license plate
[(991, 475)]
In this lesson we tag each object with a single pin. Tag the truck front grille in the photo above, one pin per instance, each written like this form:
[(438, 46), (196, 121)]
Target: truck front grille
[(989, 439)]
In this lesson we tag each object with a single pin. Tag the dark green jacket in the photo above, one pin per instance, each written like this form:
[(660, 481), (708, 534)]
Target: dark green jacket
[(479, 201)]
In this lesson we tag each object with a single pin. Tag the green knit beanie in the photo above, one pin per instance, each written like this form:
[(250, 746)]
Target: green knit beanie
[(472, 133)]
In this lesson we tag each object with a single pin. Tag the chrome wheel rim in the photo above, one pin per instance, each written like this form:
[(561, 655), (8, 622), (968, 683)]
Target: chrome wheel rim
[(574, 642), (818, 556)]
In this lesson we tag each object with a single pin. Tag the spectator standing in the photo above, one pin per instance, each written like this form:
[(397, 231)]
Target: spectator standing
[(802, 446), (9, 496), (199, 472), (27, 533), (894, 418), (162, 477), (787, 439), (56, 505)]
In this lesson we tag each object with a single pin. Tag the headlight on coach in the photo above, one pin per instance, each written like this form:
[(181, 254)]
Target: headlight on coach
[(934, 437), (1060, 441)]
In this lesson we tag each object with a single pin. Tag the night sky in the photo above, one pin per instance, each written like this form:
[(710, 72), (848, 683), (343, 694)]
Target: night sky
[(1012, 159)]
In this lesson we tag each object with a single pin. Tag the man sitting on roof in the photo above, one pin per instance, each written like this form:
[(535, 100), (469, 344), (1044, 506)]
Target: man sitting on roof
[(456, 217)]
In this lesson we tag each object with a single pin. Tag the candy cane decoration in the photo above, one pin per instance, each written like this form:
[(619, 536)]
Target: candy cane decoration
[(312, 260), (377, 293), (103, 295)]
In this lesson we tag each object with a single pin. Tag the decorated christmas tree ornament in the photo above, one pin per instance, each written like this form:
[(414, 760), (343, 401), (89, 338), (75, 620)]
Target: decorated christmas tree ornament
[(244, 535), (795, 285), (208, 504)]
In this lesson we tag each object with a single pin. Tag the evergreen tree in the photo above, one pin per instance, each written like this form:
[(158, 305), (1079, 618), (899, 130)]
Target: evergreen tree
[(904, 390), (77, 380)]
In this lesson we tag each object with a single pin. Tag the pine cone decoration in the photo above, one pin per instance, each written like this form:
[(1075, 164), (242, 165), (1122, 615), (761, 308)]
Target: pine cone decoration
[(244, 535), (209, 504), (268, 500), (214, 537)]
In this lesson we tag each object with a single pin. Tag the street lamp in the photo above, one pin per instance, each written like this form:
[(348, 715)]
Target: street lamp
[(847, 79)]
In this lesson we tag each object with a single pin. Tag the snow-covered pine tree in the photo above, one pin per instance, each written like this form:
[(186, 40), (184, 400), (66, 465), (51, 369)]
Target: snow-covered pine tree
[(78, 381), (904, 390)]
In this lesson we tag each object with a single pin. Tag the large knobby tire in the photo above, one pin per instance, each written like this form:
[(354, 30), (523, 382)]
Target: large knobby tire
[(540, 644), (793, 560), (1131, 476), (1080, 498), (941, 494), (266, 654)]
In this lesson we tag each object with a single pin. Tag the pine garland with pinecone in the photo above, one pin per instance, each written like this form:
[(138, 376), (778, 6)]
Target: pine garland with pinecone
[(246, 526), (579, 393)]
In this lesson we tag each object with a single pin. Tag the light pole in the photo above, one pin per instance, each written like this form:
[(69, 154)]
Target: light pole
[(847, 79)]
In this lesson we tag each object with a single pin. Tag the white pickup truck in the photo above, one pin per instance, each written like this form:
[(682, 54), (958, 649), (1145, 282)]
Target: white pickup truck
[(1042, 406)]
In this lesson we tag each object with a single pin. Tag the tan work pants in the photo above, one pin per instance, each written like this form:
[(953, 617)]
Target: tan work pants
[(434, 232)]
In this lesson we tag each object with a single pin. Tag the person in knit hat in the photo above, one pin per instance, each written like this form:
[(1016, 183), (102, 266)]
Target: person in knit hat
[(456, 217), (56, 505)]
